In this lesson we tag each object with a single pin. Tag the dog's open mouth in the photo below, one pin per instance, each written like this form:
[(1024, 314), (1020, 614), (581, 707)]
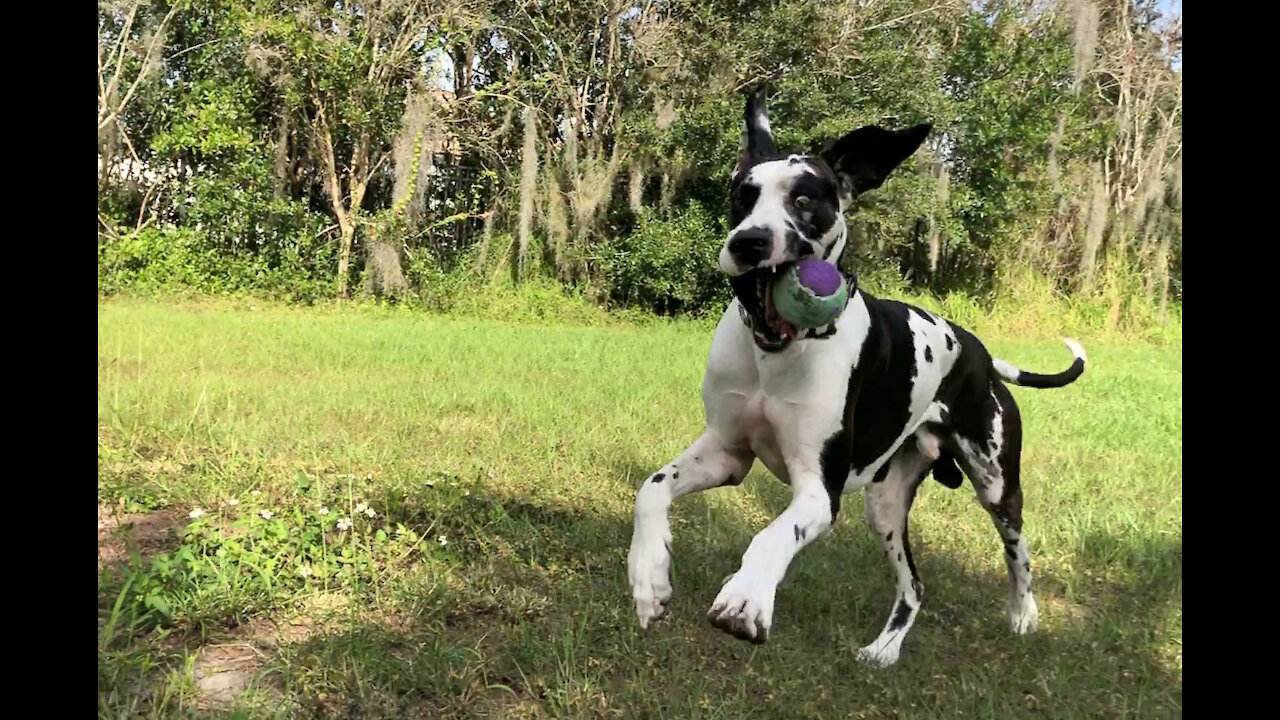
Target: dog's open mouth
[(754, 290)]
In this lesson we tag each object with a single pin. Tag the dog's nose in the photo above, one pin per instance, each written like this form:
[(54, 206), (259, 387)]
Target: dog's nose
[(750, 246)]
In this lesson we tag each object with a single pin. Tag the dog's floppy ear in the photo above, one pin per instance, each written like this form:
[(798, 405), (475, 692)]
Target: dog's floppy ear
[(863, 159), (757, 139)]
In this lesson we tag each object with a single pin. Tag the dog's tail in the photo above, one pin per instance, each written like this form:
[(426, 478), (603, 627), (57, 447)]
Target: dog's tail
[(1034, 380)]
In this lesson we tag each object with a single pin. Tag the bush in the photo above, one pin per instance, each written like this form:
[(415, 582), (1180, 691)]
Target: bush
[(668, 265), (296, 267)]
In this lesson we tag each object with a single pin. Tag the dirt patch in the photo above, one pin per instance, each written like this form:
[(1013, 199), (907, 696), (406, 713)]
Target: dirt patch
[(224, 668), (120, 533), (1061, 609), (223, 671)]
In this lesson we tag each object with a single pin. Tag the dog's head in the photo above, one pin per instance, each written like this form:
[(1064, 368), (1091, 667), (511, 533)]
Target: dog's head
[(786, 208)]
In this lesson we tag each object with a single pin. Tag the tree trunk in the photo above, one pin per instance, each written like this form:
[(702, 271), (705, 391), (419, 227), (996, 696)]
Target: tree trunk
[(280, 168), (348, 229), (528, 184), (1095, 228), (384, 276)]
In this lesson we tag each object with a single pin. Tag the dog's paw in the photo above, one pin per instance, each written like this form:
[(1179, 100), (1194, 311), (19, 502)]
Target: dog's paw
[(744, 608), (879, 654), (1024, 616), (649, 572)]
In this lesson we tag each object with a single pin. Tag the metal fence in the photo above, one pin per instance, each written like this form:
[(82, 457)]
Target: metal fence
[(455, 197)]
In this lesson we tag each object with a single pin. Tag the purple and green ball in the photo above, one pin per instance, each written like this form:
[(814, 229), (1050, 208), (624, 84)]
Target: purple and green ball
[(810, 293)]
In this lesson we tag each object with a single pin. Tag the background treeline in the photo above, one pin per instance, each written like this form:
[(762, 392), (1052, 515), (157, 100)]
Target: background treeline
[(424, 149)]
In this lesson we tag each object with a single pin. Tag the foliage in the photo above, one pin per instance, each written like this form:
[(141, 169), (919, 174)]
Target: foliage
[(1056, 143), (668, 265)]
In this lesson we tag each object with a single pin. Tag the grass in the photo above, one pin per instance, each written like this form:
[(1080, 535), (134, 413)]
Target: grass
[(508, 456)]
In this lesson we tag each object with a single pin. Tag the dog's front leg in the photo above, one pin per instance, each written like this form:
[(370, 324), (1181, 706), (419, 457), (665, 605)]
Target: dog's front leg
[(744, 607), (708, 463)]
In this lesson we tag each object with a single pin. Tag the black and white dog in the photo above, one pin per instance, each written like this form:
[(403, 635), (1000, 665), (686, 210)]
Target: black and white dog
[(878, 399)]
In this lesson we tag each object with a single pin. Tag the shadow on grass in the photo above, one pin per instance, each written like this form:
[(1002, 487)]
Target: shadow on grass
[(535, 620)]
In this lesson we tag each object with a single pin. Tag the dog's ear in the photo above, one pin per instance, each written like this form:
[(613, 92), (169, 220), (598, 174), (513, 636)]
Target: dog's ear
[(757, 139), (863, 159)]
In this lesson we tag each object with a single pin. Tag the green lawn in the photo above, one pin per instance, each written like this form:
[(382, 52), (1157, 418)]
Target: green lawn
[(501, 462)]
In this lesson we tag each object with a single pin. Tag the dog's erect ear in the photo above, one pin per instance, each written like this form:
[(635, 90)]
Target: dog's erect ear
[(757, 138), (863, 159)]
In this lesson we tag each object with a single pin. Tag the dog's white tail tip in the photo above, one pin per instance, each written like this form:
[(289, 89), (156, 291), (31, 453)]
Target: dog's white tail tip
[(1076, 348)]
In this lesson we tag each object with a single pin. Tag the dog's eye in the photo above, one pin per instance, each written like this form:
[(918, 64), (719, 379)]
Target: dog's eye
[(802, 201)]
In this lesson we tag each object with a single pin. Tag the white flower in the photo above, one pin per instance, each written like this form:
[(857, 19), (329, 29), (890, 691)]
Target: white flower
[(370, 512), (305, 571), (442, 540), (266, 514), (324, 511), (360, 507), (344, 524), (255, 493), (369, 476), (400, 530), (233, 502), (196, 514), (466, 493)]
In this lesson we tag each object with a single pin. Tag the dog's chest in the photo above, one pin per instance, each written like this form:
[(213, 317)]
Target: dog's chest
[(781, 404)]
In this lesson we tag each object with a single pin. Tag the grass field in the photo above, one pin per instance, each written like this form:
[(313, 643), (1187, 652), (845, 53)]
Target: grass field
[(500, 462)]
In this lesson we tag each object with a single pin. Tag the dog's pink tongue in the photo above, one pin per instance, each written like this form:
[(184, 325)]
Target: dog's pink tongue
[(785, 329)]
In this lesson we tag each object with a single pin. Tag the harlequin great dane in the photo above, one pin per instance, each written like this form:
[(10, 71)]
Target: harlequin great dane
[(878, 399)]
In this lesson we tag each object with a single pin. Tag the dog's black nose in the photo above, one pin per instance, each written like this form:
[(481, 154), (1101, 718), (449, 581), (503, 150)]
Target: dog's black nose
[(750, 246)]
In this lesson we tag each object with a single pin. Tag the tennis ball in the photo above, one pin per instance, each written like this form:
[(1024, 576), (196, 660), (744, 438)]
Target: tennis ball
[(810, 293)]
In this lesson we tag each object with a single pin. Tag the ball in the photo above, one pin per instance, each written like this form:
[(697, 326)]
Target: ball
[(810, 293)]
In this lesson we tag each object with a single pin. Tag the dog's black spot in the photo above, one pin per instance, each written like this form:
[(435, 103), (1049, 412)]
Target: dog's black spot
[(659, 478), (950, 343), (881, 473), (800, 533), (889, 537), (899, 557), (923, 315), (946, 472), (901, 614), (813, 334), (883, 376), (741, 201), (1010, 552), (928, 354), (675, 475), (837, 451), (1026, 565)]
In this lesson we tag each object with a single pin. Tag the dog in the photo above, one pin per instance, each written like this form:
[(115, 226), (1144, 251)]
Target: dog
[(880, 398)]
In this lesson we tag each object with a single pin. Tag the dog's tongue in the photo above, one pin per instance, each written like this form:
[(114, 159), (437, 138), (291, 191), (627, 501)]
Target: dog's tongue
[(785, 329)]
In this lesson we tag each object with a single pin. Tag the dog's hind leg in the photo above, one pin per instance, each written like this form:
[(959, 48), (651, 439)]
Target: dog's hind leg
[(706, 464), (888, 504), (992, 464)]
